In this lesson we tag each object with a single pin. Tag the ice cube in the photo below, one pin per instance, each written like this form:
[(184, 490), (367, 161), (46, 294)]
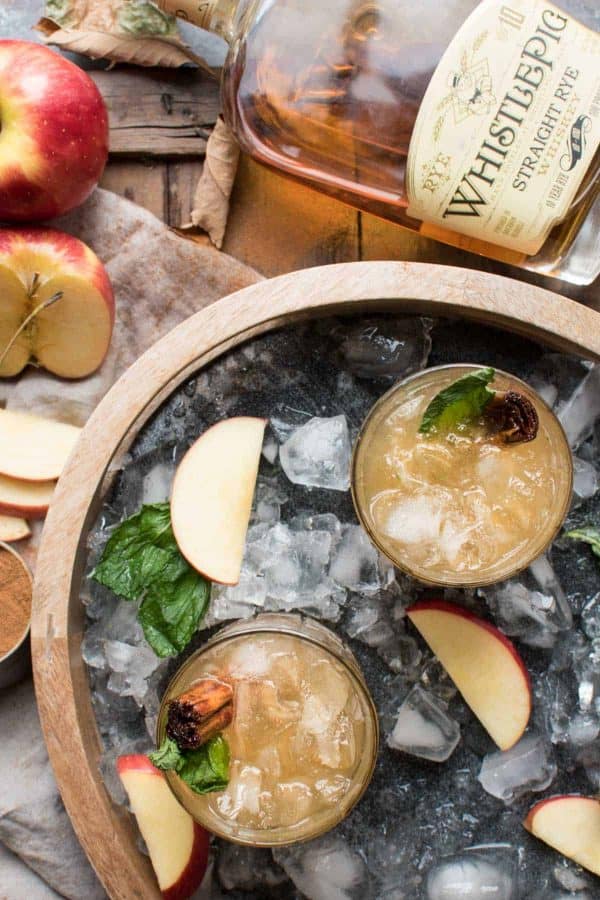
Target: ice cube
[(402, 654), (268, 500), (249, 659), (156, 486), (584, 728), (270, 449), (411, 520), (247, 868), (130, 668), (586, 480), (556, 376), (318, 454), (243, 793), (478, 873), (294, 799), (328, 697), (579, 413), (424, 728), (570, 876), (435, 680), (532, 607), (325, 869), (92, 647), (385, 348), (590, 617), (528, 766), (332, 789), (357, 564)]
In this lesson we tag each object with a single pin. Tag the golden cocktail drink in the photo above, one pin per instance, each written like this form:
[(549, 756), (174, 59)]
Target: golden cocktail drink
[(303, 738), (459, 506)]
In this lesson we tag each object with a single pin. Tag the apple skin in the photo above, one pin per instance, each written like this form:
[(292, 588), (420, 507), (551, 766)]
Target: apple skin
[(54, 142), (25, 498), (71, 337), (445, 607), (211, 500), (579, 843), (191, 877)]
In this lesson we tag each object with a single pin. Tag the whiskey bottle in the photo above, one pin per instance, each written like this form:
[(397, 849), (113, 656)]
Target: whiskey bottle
[(475, 123)]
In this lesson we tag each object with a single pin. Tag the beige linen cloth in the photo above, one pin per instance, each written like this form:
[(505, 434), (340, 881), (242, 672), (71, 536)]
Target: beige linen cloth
[(159, 279)]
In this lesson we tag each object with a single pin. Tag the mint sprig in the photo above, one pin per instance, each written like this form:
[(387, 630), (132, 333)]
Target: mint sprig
[(141, 561), (205, 770), (460, 403), (587, 533)]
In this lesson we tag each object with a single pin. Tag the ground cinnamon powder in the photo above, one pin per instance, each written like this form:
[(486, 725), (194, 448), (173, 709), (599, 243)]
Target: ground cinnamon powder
[(15, 600)]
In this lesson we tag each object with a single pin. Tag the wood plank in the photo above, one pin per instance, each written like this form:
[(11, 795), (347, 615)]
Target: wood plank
[(157, 112), (144, 184), (182, 178), (277, 225)]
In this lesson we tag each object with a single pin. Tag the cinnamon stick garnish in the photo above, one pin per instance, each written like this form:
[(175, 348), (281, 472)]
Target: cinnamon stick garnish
[(514, 415), (200, 713)]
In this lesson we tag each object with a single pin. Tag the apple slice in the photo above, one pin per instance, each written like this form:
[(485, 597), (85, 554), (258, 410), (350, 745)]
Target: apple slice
[(25, 498), (483, 664), (177, 845), (212, 496), (68, 335), (571, 825), (13, 529), (32, 448)]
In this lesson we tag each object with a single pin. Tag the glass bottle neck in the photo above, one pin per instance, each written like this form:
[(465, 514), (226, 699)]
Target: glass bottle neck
[(212, 15)]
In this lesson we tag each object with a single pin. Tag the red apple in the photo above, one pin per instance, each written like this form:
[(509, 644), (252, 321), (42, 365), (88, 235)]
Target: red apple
[(25, 498), (53, 133), (13, 529), (212, 496), (70, 337), (571, 825), (177, 845), (483, 664)]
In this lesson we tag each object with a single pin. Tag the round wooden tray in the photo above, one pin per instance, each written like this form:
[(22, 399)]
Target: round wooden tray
[(107, 832)]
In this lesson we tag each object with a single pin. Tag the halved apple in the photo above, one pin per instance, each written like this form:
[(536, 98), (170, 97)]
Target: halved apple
[(69, 336), (571, 825), (177, 845), (483, 664), (25, 498), (32, 448), (212, 496), (13, 529)]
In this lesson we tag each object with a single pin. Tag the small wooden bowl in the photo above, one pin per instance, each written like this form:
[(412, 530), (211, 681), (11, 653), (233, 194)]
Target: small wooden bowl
[(107, 832)]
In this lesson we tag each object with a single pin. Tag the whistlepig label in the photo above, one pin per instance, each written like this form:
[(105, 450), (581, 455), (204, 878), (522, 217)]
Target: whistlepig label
[(508, 126)]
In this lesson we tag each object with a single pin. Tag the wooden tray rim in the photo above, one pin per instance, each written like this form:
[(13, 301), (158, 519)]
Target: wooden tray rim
[(106, 831)]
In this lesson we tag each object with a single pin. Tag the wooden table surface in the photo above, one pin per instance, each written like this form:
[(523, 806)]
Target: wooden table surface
[(160, 121)]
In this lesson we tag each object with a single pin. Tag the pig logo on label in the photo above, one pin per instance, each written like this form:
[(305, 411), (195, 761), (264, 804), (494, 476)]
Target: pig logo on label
[(576, 143), (472, 93)]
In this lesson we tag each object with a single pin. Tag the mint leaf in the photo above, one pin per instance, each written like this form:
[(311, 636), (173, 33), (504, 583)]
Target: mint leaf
[(171, 611), (141, 561), (589, 534), (207, 768), (168, 756), (459, 403), (137, 551)]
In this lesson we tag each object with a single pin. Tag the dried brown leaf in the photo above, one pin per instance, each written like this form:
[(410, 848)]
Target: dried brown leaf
[(211, 198), (121, 48)]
